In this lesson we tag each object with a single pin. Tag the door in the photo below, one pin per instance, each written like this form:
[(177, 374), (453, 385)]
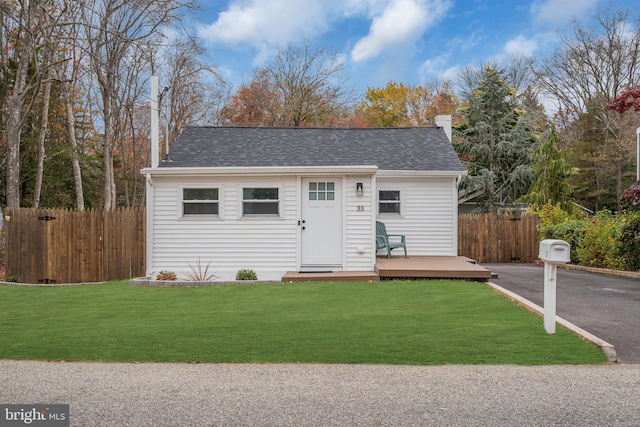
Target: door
[(321, 224)]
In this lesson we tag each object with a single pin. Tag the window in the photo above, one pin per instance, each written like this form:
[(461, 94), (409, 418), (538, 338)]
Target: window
[(260, 201), (200, 201), (322, 191), (389, 202)]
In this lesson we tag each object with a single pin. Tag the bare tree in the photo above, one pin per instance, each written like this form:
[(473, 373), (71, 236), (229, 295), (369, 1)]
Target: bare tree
[(593, 65), (112, 29), (311, 83), (27, 27)]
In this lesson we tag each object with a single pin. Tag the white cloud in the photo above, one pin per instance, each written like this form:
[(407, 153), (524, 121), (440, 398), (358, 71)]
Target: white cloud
[(559, 12), (401, 22), (436, 70), (521, 46), (263, 23)]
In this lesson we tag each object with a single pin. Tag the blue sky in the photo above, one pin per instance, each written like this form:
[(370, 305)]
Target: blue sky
[(408, 41)]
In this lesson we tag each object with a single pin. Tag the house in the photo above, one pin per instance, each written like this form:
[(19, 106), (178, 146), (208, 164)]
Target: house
[(299, 199)]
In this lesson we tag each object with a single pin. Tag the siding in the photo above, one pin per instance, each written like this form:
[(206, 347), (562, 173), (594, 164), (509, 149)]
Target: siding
[(428, 214), (265, 244), (360, 211)]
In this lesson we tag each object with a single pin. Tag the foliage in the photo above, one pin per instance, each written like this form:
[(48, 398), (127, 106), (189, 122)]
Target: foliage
[(632, 195), (166, 275), (601, 243), (629, 248), (571, 231), (363, 322), (246, 274), (385, 107), (397, 105), (496, 141), (551, 168), (627, 100), (200, 272), (551, 214)]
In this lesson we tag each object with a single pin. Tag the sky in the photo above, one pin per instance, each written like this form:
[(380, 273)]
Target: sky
[(408, 41)]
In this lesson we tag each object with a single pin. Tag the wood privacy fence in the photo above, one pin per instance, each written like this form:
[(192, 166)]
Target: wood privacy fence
[(65, 246), (498, 238)]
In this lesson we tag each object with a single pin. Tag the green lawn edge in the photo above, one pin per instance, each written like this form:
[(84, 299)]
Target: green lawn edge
[(420, 322)]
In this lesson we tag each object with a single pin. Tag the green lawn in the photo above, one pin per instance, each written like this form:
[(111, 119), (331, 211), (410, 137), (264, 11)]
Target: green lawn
[(399, 322)]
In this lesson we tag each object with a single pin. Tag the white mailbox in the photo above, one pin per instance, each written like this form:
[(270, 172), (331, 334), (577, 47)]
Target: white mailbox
[(555, 251)]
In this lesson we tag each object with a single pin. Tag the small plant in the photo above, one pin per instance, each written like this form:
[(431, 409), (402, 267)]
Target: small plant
[(246, 274), (166, 275), (11, 278), (199, 272)]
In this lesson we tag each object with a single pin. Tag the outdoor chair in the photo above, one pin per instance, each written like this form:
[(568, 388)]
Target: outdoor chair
[(383, 240)]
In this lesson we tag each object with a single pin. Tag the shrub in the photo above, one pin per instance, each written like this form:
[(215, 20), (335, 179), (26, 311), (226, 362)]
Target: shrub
[(246, 274), (166, 275), (600, 245), (629, 242), (572, 232)]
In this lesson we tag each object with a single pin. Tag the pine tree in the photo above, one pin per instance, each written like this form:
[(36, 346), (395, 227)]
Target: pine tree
[(551, 169), (496, 141)]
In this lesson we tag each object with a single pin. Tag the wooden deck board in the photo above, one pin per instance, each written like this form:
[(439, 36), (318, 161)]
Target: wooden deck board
[(441, 267), (428, 267)]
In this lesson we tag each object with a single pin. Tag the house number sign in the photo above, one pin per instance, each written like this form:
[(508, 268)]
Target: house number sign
[(360, 208)]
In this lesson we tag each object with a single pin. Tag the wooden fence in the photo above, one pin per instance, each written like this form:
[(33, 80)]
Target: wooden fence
[(64, 246), (498, 238)]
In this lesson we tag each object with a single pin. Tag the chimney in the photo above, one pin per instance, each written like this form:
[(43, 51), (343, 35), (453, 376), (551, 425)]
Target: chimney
[(445, 123)]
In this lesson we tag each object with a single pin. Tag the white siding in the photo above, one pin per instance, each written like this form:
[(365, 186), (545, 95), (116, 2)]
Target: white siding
[(267, 245), (428, 214), (359, 227)]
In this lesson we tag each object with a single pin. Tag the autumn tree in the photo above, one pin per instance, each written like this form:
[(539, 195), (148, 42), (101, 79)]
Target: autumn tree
[(385, 107), (299, 86), (495, 141)]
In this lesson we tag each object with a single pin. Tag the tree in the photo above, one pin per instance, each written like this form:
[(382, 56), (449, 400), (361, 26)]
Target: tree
[(551, 169), (591, 67), (385, 107), (255, 104), (113, 29), (298, 87), (495, 141)]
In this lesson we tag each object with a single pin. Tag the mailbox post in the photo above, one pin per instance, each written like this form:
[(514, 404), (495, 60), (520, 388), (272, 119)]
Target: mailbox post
[(552, 252)]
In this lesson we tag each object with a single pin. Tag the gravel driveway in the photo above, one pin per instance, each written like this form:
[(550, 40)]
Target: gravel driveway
[(150, 394)]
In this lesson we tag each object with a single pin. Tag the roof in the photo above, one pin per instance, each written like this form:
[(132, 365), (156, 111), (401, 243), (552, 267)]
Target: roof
[(401, 149)]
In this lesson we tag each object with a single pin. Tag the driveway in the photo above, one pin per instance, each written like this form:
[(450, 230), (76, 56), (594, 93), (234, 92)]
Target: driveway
[(604, 305)]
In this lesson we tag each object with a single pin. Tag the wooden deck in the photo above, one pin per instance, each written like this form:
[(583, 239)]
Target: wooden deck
[(431, 267)]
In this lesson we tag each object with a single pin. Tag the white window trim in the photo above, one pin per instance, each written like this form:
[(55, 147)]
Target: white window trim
[(401, 201), (190, 217), (241, 200)]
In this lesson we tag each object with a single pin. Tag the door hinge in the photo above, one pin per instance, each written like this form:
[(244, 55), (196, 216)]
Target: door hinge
[(46, 281), (515, 218), (46, 218), (515, 259)]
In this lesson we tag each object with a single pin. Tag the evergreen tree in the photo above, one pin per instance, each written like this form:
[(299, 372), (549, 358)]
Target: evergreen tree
[(551, 169), (496, 141)]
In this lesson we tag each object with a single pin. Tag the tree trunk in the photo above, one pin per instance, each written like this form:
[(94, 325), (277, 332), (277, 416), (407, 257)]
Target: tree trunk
[(14, 111), (77, 174), (44, 124)]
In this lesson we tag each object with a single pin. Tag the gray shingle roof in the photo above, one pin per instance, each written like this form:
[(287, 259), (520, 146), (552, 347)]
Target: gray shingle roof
[(410, 149)]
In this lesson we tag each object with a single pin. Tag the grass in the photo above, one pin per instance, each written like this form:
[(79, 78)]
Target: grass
[(399, 322)]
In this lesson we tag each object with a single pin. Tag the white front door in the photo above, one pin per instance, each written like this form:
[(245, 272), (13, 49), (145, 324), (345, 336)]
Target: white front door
[(321, 224)]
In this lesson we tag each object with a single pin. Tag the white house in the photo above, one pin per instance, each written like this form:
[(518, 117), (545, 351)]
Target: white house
[(299, 199)]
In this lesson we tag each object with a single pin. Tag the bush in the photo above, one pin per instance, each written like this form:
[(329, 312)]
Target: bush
[(246, 274), (166, 275), (571, 231), (629, 242), (600, 245)]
